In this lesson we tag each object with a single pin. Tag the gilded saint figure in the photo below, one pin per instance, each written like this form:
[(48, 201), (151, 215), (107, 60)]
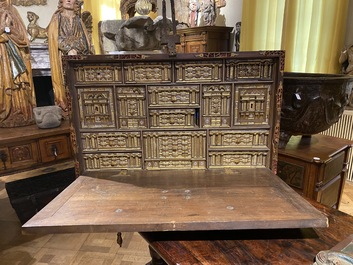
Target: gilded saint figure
[(67, 35), (17, 96)]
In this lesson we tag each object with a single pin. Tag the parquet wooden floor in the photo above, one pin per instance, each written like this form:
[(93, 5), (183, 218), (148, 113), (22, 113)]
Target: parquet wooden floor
[(81, 249)]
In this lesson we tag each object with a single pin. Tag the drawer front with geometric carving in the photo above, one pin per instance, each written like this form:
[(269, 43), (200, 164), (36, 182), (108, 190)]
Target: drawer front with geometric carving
[(191, 111), (150, 72), (112, 161), (111, 141), (173, 118), (174, 96), (221, 159), (199, 71), (108, 74), (220, 139), (177, 149)]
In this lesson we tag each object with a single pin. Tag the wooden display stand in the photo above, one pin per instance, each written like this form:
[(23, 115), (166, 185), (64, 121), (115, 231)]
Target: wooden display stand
[(204, 39), (315, 167)]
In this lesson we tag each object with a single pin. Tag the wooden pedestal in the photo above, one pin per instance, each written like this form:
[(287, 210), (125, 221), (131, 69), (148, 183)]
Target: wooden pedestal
[(315, 167)]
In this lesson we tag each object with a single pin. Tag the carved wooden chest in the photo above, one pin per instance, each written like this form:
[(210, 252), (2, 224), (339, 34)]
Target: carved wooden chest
[(192, 111)]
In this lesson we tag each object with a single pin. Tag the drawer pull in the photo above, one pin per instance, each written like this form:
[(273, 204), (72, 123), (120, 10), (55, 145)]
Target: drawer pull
[(3, 157), (54, 151)]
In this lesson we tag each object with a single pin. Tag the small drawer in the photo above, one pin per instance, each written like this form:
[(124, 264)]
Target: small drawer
[(174, 96), (112, 161), (174, 118), (221, 159), (19, 156), (334, 167), (54, 148), (225, 139)]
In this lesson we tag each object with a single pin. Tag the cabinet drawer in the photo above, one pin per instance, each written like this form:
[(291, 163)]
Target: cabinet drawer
[(333, 167), (175, 149), (330, 194), (54, 148), (174, 118), (174, 96), (19, 156)]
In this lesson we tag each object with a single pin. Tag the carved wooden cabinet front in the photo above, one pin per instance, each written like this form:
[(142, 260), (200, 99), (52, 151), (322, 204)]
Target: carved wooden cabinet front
[(199, 111)]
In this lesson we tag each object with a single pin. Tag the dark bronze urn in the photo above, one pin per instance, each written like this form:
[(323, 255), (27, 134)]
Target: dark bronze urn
[(312, 103)]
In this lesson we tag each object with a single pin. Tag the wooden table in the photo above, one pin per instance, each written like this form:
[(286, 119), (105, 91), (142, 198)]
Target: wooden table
[(252, 247)]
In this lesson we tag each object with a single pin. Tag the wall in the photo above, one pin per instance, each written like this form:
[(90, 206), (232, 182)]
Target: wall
[(229, 15)]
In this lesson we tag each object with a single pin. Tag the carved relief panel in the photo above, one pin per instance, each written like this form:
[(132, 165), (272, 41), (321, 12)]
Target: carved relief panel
[(192, 111), (96, 107)]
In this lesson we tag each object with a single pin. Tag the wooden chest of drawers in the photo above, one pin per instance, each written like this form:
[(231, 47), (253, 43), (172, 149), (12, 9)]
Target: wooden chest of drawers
[(316, 168), (192, 111), (29, 147), (204, 39)]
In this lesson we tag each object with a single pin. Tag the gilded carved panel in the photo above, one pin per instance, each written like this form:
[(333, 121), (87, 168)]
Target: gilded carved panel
[(111, 141), (131, 107), (252, 104), (216, 105), (173, 118), (96, 107), (95, 74), (239, 138), (222, 159), (199, 71), (167, 96), (147, 72), (109, 161), (259, 69), (177, 149)]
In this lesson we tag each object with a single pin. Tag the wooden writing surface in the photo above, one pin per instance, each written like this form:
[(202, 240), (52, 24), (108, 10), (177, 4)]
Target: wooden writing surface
[(183, 200)]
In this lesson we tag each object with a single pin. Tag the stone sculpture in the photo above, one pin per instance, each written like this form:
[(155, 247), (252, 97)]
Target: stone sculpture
[(48, 116), (138, 34)]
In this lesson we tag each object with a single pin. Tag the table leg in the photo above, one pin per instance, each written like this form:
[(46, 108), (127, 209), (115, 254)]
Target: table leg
[(156, 259)]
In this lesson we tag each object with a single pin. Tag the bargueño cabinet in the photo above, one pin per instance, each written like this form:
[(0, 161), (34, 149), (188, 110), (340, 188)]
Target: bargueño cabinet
[(191, 111)]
